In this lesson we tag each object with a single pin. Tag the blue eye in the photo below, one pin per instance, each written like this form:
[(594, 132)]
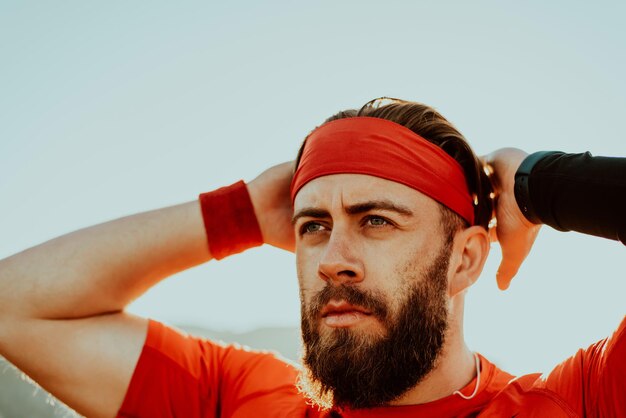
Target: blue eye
[(311, 228), (376, 221)]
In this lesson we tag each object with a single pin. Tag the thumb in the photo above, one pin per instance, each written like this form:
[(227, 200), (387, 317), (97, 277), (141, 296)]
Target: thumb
[(506, 271), (514, 253), (515, 249)]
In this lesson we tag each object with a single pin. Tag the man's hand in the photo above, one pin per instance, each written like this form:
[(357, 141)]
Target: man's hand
[(514, 232), (272, 204)]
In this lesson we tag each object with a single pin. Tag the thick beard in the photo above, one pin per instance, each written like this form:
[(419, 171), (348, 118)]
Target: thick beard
[(346, 369)]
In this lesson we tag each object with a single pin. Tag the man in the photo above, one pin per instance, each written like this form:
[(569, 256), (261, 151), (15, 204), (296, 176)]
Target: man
[(388, 214)]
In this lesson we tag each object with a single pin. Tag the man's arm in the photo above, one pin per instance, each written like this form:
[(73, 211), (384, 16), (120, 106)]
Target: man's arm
[(61, 303), (578, 192), (61, 318), (103, 268), (566, 191)]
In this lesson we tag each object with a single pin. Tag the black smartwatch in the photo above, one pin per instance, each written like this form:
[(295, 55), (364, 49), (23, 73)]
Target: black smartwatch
[(521, 190)]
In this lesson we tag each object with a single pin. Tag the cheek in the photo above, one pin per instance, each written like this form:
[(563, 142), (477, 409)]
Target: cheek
[(306, 268), (400, 271), (381, 262)]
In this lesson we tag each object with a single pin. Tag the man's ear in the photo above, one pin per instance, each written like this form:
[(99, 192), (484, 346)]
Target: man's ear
[(470, 249)]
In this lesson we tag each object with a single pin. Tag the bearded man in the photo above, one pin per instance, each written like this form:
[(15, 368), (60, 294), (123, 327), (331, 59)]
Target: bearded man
[(388, 212)]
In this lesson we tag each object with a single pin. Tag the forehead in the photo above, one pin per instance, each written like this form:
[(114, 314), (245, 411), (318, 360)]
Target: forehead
[(348, 189)]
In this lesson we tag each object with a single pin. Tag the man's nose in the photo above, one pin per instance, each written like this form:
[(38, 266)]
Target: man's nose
[(340, 263)]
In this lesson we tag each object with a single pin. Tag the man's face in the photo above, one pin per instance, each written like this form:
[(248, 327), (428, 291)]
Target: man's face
[(372, 266)]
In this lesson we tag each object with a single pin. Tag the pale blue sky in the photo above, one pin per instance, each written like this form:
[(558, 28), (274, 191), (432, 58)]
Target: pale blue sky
[(111, 108)]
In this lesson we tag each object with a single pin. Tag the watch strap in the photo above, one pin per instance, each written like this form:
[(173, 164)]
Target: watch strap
[(521, 187)]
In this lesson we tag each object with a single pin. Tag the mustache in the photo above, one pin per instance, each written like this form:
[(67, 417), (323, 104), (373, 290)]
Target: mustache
[(354, 296)]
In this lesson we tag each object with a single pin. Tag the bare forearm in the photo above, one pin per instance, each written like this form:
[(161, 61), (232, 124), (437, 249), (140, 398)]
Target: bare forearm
[(102, 268)]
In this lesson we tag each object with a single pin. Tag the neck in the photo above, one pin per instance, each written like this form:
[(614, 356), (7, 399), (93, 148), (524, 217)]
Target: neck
[(455, 368)]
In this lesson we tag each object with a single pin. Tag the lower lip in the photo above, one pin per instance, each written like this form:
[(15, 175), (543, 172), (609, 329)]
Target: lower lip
[(345, 319)]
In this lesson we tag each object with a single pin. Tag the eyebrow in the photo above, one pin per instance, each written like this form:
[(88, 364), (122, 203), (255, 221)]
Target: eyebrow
[(355, 209)]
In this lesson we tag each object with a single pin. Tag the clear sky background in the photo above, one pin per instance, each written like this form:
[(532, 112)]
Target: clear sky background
[(111, 108)]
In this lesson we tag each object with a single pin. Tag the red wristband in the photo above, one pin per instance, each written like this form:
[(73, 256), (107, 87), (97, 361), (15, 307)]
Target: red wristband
[(229, 219)]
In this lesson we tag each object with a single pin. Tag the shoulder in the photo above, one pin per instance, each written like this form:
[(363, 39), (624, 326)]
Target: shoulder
[(194, 376), (592, 380), (586, 384), (525, 397), (505, 395)]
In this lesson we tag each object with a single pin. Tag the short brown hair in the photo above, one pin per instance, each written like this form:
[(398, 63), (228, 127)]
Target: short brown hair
[(432, 126)]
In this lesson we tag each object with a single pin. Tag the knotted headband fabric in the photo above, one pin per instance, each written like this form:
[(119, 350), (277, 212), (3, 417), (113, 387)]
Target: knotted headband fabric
[(385, 149)]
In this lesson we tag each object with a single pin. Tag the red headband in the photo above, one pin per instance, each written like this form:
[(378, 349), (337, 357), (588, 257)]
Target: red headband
[(385, 149)]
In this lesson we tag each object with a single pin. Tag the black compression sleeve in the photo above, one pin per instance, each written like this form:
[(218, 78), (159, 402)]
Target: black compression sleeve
[(580, 192)]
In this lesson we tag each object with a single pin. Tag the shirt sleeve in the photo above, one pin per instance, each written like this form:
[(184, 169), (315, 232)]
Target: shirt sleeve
[(182, 376), (593, 381), (580, 192)]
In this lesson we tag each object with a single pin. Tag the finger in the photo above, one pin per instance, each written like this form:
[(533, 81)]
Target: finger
[(508, 268), (504, 276)]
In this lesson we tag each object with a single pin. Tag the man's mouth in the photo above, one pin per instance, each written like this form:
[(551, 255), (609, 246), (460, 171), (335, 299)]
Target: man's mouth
[(341, 314)]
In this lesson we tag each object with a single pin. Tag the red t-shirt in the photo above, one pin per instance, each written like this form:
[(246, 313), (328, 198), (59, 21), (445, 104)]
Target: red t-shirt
[(183, 376)]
